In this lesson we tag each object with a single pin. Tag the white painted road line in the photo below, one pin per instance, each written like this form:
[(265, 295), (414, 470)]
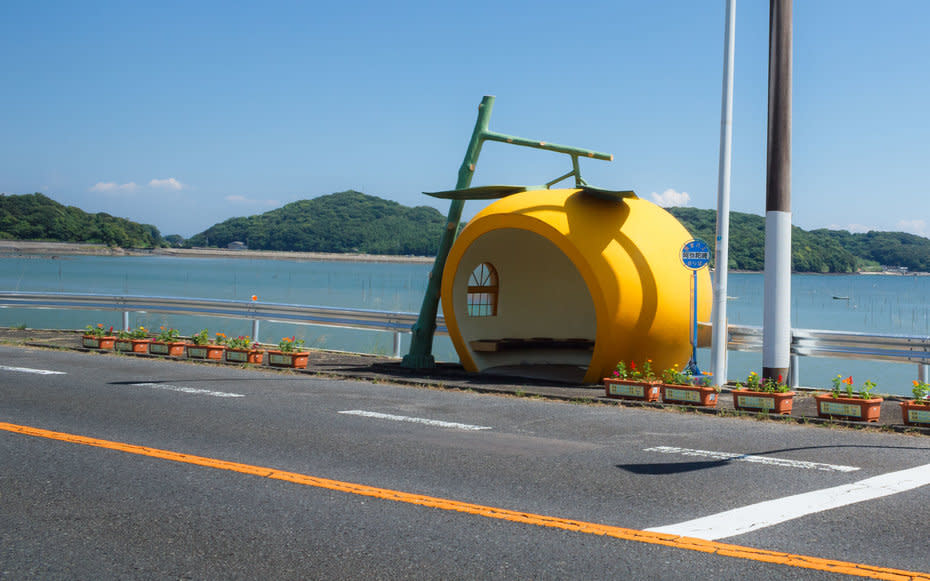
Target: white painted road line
[(754, 459), (29, 370), (190, 390), (765, 514), (434, 423)]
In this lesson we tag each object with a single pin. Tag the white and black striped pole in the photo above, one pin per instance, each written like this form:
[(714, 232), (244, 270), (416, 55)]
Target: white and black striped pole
[(776, 330)]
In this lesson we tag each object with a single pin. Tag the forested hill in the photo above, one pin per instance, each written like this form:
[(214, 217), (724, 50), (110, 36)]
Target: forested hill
[(355, 222), (347, 221), (819, 250), (38, 217)]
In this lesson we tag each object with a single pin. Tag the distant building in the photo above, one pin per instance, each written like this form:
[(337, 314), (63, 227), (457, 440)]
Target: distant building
[(237, 245)]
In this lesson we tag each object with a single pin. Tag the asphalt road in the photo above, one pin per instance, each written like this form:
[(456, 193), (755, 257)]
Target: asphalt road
[(364, 480)]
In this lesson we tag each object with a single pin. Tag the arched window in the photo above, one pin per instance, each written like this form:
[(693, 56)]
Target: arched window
[(482, 291)]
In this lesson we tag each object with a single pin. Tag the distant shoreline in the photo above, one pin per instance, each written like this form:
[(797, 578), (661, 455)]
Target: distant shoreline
[(32, 248), (53, 249)]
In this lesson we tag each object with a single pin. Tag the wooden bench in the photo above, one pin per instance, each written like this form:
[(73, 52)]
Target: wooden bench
[(535, 343)]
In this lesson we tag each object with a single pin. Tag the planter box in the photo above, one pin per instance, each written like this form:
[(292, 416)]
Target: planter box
[(205, 351), (854, 408), (763, 401), (915, 414), (254, 356), (132, 345), (631, 389), (295, 359), (173, 349), (94, 342), (689, 395)]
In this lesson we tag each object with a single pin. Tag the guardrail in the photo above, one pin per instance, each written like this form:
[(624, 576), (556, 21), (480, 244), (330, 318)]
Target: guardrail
[(398, 323), (841, 345), (804, 342)]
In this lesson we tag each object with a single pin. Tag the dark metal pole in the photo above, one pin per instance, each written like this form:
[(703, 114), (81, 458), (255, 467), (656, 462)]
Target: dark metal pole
[(776, 333)]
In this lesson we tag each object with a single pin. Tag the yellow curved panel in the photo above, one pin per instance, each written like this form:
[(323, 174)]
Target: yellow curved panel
[(628, 254)]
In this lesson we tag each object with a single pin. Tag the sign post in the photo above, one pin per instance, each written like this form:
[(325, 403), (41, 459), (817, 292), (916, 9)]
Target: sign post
[(695, 254)]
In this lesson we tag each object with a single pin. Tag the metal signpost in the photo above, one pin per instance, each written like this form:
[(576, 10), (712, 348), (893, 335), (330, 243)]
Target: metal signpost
[(695, 255)]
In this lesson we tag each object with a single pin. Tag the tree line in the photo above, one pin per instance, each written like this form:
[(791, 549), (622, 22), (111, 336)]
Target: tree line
[(820, 250), (351, 221), (38, 217)]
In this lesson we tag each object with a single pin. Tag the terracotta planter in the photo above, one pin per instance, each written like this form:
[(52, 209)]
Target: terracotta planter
[(631, 389), (172, 349), (205, 351), (94, 342), (294, 359), (853, 408), (254, 356), (689, 395), (132, 345), (915, 414), (763, 401)]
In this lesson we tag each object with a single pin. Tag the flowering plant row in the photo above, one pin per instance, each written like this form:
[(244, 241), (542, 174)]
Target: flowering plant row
[(673, 375), (202, 337)]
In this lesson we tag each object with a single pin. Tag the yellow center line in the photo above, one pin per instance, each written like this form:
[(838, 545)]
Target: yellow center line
[(668, 540)]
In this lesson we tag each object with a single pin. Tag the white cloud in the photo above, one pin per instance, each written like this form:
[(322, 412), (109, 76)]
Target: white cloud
[(918, 226), (168, 184), (670, 198), (852, 228), (114, 187)]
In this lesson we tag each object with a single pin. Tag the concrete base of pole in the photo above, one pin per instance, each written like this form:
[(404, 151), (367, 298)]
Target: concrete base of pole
[(775, 373)]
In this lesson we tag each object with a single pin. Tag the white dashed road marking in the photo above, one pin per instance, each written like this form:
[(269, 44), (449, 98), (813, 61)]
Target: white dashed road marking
[(189, 390), (754, 459), (29, 370), (434, 423)]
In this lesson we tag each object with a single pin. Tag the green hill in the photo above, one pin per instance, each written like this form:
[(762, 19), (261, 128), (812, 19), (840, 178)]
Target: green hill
[(351, 221), (38, 217), (343, 222), (819, 250)]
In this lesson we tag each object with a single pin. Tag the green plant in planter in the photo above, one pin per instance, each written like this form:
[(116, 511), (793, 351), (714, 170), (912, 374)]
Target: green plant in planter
[(674, 376), (865, 392), (771, 385), (634, 373), (921, 390), (844, 387), (98, 330), (290, 344), (220, 339), (139, 332), (202, 337), (166, 335), (241, 342)]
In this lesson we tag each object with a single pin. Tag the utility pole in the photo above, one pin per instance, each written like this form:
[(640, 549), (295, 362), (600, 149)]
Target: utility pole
[(776, 330), (718, 345)]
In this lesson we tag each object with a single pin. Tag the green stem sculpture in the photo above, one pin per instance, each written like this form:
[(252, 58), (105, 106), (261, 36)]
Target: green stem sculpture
[(420, 355)]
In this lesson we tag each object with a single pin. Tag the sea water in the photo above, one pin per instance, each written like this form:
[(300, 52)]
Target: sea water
[(862, 303)]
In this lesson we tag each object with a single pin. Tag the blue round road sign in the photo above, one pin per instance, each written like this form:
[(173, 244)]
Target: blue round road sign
[(695, 254)]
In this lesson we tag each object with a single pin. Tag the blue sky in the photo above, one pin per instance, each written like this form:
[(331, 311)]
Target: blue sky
[(183, 114)]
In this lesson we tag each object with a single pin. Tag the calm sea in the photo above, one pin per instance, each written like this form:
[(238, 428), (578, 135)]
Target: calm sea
[(878, 304)]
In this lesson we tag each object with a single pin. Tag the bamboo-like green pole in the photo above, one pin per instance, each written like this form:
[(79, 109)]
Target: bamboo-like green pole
[(420, 355)]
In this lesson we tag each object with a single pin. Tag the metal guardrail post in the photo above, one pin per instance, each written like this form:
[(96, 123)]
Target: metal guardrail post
[(397, 342), (125, 320), (923, 372), (794, 379)]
